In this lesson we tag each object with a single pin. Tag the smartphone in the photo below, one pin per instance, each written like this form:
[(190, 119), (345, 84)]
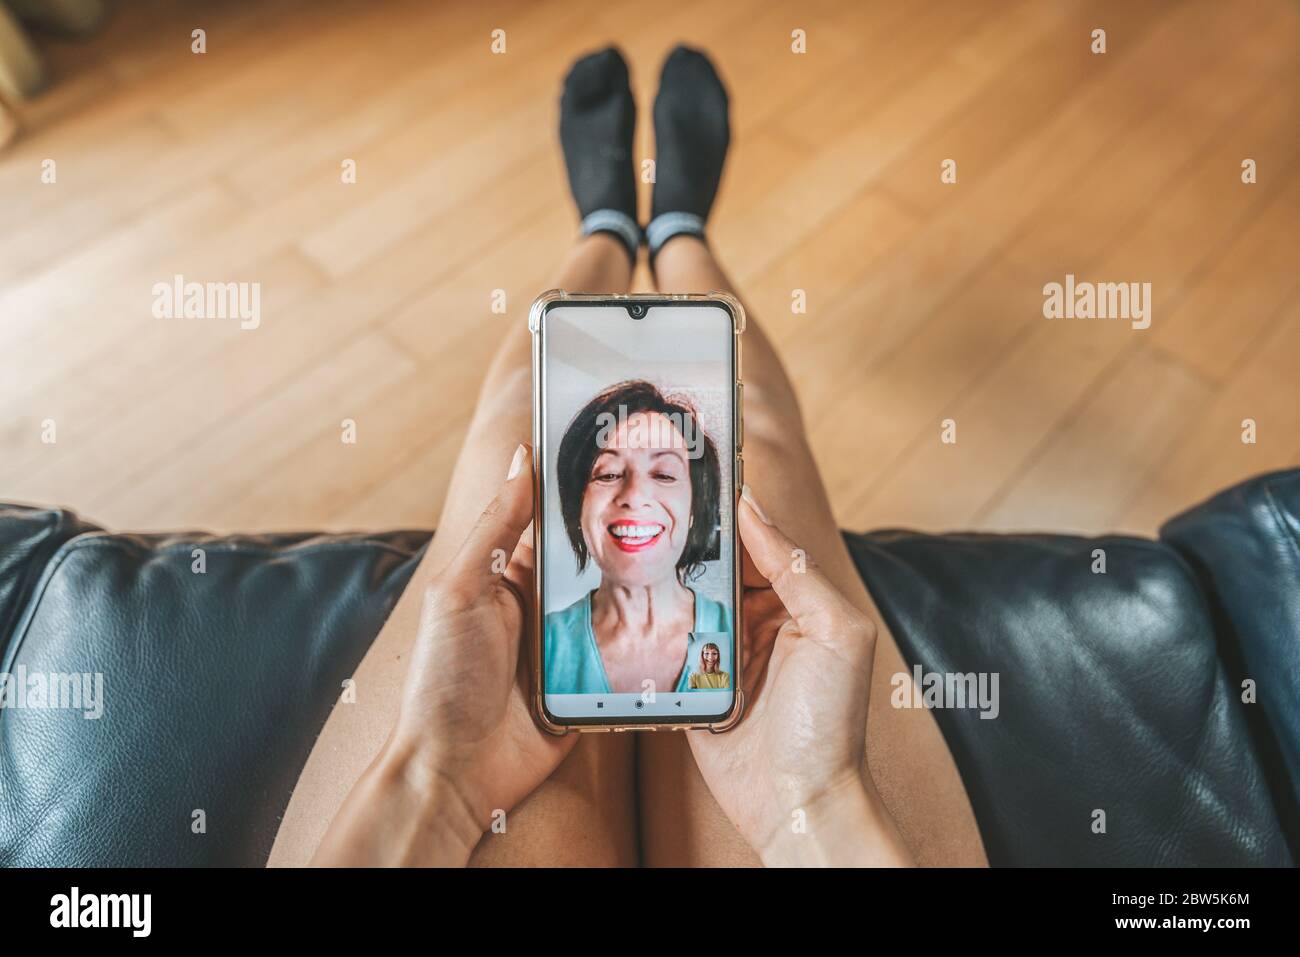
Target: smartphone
[(637, 439)]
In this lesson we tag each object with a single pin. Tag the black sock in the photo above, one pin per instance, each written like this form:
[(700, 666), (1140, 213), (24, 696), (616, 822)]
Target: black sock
[(692, 133), (597, 121)]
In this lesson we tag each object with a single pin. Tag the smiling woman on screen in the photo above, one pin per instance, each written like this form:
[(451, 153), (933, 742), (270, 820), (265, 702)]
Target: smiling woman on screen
[(638, 483)]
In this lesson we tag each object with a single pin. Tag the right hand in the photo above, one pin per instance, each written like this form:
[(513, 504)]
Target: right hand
[(465, 745), (792, 774)]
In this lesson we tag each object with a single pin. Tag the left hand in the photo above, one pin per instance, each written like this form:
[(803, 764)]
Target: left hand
[(791, 776)]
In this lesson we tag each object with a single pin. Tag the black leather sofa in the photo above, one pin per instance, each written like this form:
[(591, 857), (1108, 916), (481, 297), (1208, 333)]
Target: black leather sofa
[(1120, 692)]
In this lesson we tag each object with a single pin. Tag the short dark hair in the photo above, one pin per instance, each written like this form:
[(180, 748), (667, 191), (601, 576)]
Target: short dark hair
[(580, 447)]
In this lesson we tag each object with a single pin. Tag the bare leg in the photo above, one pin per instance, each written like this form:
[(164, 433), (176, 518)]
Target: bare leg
[(681, 824), (8, 124), (585, 813)]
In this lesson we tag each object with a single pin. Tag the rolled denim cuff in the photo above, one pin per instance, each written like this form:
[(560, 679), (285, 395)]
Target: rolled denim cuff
[(667, 225), (612, 221)]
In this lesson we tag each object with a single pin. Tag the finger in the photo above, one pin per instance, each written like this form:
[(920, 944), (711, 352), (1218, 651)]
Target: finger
[(750, 576), (764, 615), (520, 570), (802, 587), (523, 555), (494, 537)]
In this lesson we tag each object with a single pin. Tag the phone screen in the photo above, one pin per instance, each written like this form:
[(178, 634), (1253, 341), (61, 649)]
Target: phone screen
[(637, 563)]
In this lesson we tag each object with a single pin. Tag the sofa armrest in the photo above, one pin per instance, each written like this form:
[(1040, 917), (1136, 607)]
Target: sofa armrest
[(1244, 545)]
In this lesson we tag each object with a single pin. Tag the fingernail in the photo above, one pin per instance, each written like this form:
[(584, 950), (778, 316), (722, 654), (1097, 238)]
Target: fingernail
[(748, 495), (517, 462)]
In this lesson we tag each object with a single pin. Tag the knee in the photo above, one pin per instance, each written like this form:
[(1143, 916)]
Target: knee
[(771, 417), (506, 393)]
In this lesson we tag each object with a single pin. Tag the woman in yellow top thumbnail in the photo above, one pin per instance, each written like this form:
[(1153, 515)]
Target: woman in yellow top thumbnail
[(709, 676)]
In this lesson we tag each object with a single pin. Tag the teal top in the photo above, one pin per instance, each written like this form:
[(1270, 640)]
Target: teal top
[(572, 658)]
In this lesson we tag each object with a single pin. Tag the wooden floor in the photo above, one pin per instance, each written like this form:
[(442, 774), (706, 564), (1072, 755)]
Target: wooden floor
[(924, 299)]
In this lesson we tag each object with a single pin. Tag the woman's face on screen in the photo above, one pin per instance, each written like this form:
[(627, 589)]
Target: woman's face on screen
[(636, 510)]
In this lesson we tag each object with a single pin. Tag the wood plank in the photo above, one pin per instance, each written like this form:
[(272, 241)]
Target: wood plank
[(192, 151), (112, 411), (936, 264), (1026, 394), (867, 140), (924, 300), (1210, 454), (1128, 421), (1023, 95), (409, 495), (210, 473), (1240, 293)]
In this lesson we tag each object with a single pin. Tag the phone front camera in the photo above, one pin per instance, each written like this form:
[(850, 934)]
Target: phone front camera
[(636, 310)]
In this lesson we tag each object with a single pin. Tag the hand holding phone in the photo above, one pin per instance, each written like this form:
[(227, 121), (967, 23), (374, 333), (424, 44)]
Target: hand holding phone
[(466, 746), (792, 776)]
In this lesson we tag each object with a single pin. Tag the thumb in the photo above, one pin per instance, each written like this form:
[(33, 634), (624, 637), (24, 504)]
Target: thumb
[(493, 538), (802, 587)]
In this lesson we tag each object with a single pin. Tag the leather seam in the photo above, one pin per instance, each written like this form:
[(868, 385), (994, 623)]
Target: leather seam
[(26, 580), (33, 585), (38, 594)]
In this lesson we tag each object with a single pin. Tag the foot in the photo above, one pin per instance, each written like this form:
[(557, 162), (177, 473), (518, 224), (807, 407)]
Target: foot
[(692, 132), (597, 121)]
